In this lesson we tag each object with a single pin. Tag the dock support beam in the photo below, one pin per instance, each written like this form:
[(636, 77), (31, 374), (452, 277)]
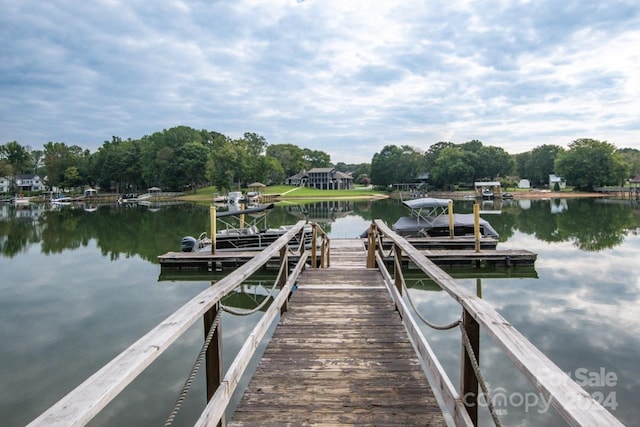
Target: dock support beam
[(397, 268), (371, 247), (476, 226), (212, 220), (451, 225), (468, 380), (214, 351)]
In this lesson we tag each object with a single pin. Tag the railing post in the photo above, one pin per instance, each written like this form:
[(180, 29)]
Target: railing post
[(371, 247), (284, 276), (397, 267), (212, 220), (476, 226), (468, 380), (283, 260), (328, 251), (451, 224), (313, 245), (214, 351)]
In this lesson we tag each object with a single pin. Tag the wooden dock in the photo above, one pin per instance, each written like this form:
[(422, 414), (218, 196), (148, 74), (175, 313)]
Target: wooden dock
[(440, 251), (340, 355), (347, 350)]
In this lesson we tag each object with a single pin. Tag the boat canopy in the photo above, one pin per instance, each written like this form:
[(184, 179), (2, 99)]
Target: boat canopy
[(427, 208), (429, 213), (238, 212), (406, 225), (426, 202)]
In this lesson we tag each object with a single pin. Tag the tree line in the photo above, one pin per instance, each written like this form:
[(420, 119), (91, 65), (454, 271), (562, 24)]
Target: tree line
[(184, 158), (585, 164), (176, 159)]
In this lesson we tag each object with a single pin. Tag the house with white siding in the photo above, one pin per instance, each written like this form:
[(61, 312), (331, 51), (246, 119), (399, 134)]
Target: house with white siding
[(29, 182), (5, 184)]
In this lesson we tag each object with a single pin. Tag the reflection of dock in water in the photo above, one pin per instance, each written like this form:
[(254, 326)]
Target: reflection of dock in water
[(322, 211)]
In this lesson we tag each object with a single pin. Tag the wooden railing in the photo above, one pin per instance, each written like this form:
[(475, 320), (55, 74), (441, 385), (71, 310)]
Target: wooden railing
[(89, 398), (325, 247), (573, 403)]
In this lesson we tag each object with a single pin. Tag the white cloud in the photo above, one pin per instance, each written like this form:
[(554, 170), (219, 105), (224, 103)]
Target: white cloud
[(343, 77)]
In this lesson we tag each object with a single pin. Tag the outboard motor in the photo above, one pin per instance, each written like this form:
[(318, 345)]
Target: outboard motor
[(188, 243)]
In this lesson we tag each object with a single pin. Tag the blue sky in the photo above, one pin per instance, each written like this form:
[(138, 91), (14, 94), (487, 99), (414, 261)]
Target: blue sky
[(344, 77)]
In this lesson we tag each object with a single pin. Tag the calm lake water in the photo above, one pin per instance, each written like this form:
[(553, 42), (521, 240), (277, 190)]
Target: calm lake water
[(78, 286)]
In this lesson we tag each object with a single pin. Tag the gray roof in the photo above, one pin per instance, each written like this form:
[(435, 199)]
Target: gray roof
[(299, 175), (321, 170)]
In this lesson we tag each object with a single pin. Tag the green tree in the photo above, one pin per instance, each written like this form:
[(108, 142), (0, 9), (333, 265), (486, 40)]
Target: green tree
[(192, 161), (492, 162), (5, 168), (72, 177), (540, 163), (521, 160), (590, 163), (290, 156), (162, 153), (433, 152), (17, 156), (316, 159), (227, 164), (631, 157), (251, 149), (394, 165), (58, 157), (270, 170), (359, 171), (454, 165)]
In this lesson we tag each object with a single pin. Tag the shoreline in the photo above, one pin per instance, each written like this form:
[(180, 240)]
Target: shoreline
[(534, 194), (455, 195)]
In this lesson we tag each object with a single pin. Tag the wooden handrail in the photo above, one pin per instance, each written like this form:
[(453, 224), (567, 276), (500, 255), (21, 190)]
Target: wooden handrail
[(572, 402), (325, 247), (215, 408), (89, 398), (450, 396)]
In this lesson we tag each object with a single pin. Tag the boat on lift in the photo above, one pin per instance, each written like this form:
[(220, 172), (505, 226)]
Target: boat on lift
[(429, 217), (249, 237)]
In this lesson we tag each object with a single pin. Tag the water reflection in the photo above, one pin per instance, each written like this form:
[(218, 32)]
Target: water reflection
[(95, 291), (151, 230)]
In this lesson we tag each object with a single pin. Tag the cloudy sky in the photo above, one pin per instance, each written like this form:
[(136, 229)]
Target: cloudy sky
[(345, 77)]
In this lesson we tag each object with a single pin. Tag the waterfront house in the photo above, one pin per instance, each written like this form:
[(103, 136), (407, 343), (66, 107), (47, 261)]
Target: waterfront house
[(5, 183), (322, 179), (28, 182)]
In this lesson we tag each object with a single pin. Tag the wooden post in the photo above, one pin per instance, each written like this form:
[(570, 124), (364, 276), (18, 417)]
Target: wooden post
[(397, 266), (284, 260), (451, 227), (212, 220), (213, 357), (313, 245), (241, 215), (476, 226), (328, 251), (371, 247), (468, 380)]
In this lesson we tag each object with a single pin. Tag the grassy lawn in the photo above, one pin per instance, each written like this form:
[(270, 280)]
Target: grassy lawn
[(289, 192)]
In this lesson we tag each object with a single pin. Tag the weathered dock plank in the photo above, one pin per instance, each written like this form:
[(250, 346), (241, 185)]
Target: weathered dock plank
[(340, 356)]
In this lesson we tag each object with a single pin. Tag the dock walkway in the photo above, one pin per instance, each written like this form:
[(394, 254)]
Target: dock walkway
[(340, 355)]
